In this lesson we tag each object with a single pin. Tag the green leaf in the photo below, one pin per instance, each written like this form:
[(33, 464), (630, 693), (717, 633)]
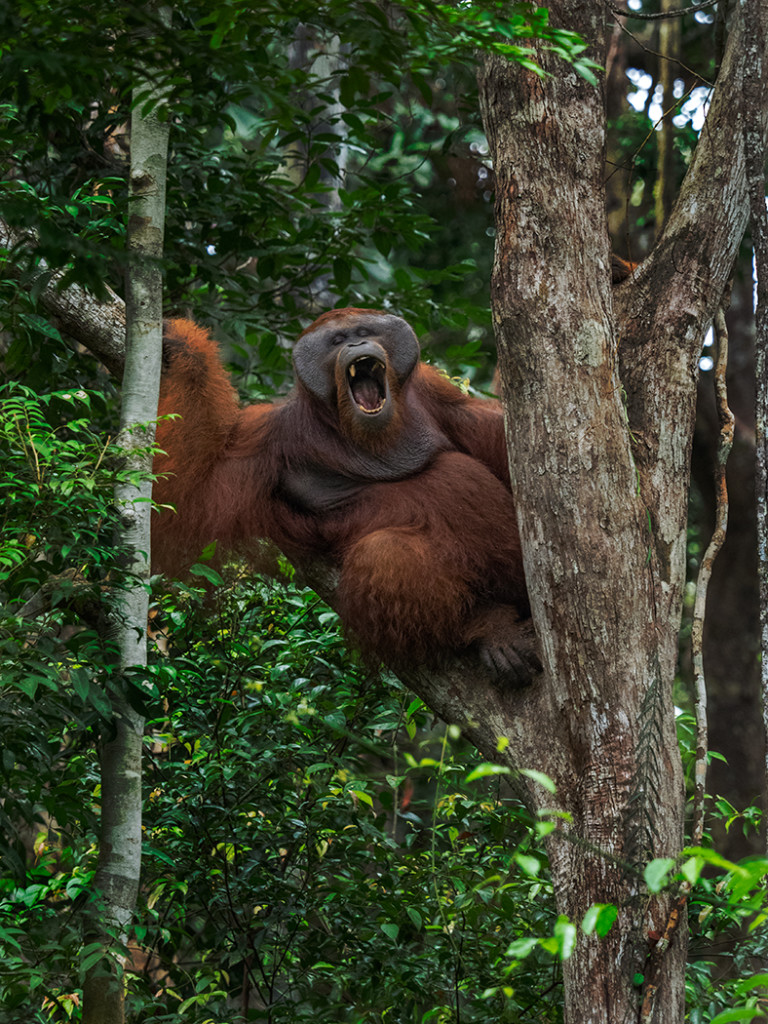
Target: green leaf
[(484, 770), (415, 916), (583, 69), (756, 981), (540, 777), (391, 930), (743, 1013), (531, 865), (27, 684), (691, 869), (99, 700), (565, 933), (81, 684), (207, 573), (599, 918), (657, 873), (90, 956), (521, 948), (417, 704)]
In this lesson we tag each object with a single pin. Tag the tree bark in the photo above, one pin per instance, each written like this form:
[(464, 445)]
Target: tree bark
[(584, 531), (602, 488), (119, 863)]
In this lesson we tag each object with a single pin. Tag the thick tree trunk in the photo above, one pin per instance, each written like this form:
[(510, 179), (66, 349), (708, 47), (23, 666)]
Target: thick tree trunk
[(119, 864), (584, 529), (602, 507)]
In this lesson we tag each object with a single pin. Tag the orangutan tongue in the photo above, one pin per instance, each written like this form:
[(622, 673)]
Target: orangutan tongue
[(367, 393)]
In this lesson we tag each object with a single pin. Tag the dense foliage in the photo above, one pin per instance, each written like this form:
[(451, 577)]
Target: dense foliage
[(304, 159)]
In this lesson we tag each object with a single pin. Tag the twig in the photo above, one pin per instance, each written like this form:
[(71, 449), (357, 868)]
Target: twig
[(724, 445), (679, 12)]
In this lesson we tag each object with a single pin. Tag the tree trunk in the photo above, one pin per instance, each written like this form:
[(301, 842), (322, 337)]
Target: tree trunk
[(585, 532), (602, 491), (117, 875)]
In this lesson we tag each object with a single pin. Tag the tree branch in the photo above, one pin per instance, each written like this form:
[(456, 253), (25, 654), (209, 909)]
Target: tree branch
[(100, 326), (724, 445), (665, 308)]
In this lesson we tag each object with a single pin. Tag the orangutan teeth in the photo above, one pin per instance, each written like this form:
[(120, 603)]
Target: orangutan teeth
[(367, 382), (371, 412)]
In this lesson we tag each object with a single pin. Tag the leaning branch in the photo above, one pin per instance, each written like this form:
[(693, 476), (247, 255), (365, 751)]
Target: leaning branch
[(461, 694), (100, 326)]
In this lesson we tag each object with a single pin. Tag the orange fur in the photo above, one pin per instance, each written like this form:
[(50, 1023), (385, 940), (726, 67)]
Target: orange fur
[(420, 519)]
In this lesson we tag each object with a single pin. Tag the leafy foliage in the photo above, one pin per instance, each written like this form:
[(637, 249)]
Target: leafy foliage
[(307, 835), (336, 867), (301, 155)]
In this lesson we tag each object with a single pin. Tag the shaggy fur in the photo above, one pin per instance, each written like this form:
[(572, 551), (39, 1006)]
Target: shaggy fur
[(412, 502)]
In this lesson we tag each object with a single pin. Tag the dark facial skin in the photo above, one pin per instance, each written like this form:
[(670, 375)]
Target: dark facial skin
[(358, 364), (370, 353)]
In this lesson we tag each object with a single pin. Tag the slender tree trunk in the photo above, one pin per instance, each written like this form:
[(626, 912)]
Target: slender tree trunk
[(117, 875)]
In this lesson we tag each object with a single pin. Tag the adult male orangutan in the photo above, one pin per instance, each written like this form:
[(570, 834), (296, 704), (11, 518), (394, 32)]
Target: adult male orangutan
[(375, 460)]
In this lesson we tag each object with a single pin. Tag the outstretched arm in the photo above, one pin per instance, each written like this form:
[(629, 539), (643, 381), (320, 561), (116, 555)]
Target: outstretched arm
[(199, 421), (474, 425)]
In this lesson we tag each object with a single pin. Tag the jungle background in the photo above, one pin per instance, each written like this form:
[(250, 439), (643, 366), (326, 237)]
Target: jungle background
[(317, 845)]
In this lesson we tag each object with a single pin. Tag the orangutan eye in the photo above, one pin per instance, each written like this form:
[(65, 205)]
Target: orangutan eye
[(362, 332), (338, 339)]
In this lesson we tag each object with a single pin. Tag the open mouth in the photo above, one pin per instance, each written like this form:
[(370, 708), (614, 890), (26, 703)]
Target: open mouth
[(367, 378)]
